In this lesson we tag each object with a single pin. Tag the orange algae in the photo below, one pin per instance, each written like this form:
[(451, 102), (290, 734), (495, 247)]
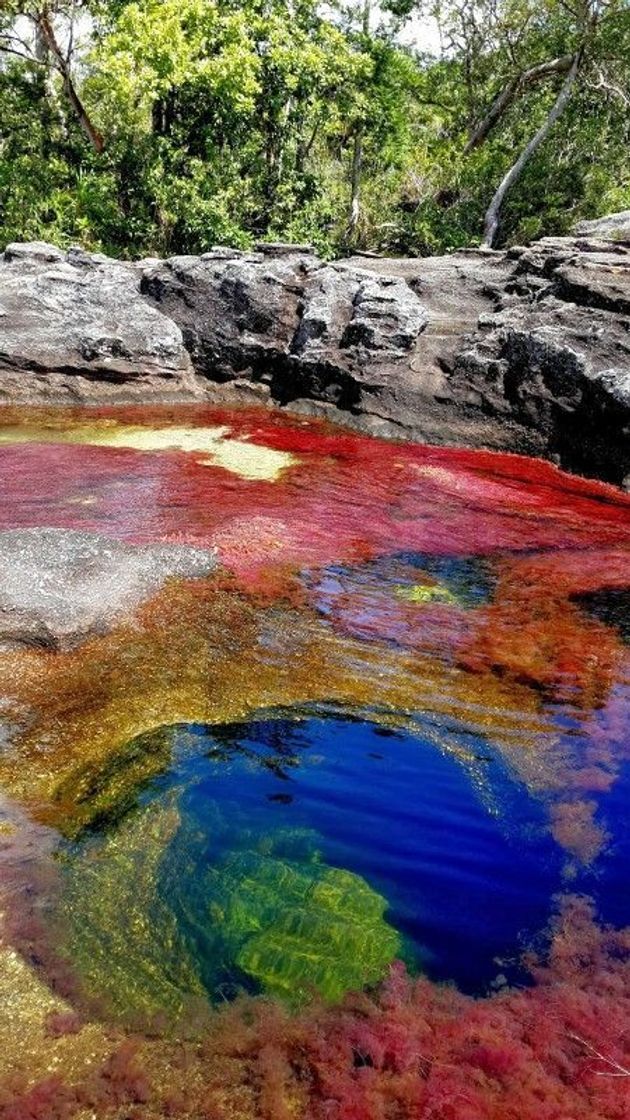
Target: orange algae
[(207, 653)]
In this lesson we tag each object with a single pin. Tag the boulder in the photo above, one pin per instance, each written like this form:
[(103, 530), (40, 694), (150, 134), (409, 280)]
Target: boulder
[(612, 227), (554, 357), (59, 586), (69, 320), (283, 319), (238, 314)]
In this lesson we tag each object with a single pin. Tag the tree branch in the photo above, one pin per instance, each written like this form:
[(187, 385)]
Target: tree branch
[(4, 49), (616, 1067), (48, 35), (506, 97), (493, 213), (609, 87)]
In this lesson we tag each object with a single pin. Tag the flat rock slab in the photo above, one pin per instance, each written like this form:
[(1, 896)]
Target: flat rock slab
[(60, 586), (612, 227)]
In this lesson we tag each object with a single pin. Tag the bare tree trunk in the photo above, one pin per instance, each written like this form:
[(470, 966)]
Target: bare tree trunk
[(355, 181), (494, 210), (508, 93), (494, 114), (46, 30), (305, 147)]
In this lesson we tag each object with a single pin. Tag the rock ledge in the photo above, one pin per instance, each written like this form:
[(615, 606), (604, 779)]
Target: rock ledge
[(526, 350)]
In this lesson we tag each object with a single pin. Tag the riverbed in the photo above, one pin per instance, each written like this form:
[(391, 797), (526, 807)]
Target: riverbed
[(390, 725)]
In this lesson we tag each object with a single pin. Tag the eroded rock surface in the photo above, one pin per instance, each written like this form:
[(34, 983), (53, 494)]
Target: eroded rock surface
[(526, 350), (612, 227), (75, 325), (287, 323), (554, 356), (58, 586)]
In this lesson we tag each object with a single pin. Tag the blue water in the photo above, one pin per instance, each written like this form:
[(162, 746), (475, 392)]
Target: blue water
[(467, 884)]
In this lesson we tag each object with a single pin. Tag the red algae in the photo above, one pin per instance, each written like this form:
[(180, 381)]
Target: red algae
[(412, 1049), (436, 499)]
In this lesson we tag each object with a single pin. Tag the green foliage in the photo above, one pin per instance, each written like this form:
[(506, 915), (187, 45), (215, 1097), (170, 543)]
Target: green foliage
[(232, 121)]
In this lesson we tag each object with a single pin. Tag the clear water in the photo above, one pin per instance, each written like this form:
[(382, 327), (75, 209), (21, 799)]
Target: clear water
[(462, 884), (393, 724)]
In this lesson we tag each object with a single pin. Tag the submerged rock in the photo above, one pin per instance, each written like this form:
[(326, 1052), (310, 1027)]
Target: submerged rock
[(58, 586), (121, 938), (97, 795), (298, 927), (158, 911)]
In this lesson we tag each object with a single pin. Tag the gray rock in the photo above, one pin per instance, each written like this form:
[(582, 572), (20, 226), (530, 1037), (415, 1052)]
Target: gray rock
[(79, 317), (303, 328), (612, 227), (237, 315), (39, 251), (526, 351), (59, 586), (282, 248), (554, 359)]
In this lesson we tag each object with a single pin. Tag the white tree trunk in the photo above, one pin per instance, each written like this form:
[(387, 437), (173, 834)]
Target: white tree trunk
[(493, 212), (506, 97)]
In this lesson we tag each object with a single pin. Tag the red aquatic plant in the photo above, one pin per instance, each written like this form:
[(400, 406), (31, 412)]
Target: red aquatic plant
[(60, 1023), (558, 1049), (413, 1049), (49, 1099)]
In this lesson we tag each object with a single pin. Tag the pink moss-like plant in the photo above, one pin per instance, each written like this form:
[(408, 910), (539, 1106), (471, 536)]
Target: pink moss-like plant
[(412, 1050)]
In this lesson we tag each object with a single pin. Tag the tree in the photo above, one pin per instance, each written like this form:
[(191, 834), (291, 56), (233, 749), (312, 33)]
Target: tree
[(42, 46), (493, 212), (506, 52), (164, 126)]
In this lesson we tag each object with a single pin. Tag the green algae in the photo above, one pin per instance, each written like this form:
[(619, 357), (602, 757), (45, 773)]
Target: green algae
[(121, 937), (160, 910), (289, 922), (427, 593), (318, 929), (96, 795)]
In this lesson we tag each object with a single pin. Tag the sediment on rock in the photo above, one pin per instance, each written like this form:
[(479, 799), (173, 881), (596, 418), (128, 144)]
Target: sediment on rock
[(59, 586)]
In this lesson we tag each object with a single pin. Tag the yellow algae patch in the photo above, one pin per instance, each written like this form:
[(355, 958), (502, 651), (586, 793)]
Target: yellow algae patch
[(249, 460), (26, 1045), (118, 931), (426, 593)]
